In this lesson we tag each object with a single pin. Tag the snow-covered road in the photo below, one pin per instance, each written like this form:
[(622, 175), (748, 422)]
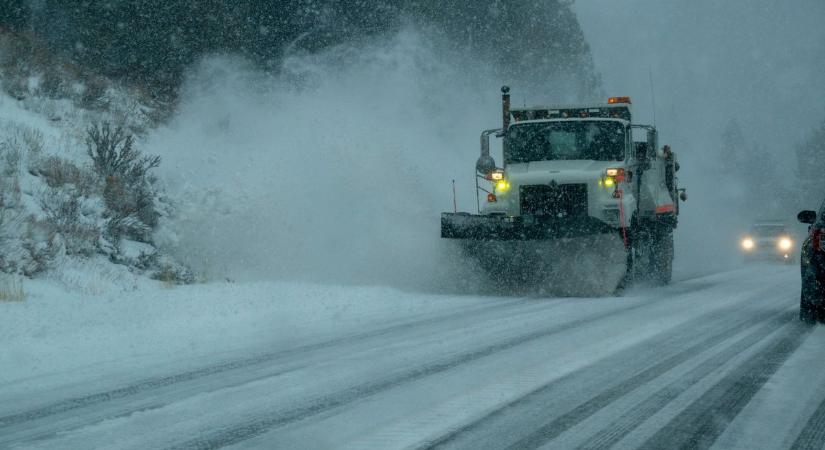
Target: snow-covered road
[(716, 361)]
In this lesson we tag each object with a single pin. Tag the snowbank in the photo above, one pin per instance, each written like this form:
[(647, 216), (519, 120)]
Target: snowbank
[(78, 323)]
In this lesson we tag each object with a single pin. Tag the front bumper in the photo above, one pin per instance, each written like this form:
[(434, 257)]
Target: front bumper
[(504, 228)]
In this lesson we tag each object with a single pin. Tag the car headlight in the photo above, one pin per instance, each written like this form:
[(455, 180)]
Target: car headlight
[(748, 244), (785, 243)]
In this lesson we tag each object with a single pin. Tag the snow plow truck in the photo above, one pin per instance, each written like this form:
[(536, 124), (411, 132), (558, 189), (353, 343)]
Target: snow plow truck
[(577, 206)]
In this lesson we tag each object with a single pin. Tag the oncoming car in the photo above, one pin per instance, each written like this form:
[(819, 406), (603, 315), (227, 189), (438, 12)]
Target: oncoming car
[(768, 241), (812, 263)]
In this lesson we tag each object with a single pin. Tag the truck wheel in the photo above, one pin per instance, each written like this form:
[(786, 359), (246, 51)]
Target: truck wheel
[(811, 306), (807, 312), (811, 303), (629, 273), (662, 257)]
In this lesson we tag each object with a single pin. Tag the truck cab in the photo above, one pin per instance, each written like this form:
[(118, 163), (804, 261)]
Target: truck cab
[(580, 161)]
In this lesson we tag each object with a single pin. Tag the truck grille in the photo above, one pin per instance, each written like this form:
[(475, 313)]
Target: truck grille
[(555, 200)]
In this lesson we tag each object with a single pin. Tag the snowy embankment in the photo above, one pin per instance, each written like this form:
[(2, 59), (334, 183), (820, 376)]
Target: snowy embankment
[(75, 324)]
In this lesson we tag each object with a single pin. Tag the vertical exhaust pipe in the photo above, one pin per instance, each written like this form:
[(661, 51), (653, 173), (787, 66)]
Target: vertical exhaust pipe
[(505, 108), (485, 163)]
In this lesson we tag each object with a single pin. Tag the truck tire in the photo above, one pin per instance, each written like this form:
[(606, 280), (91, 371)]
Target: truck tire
[(807, 312), (811, 303), (662, 257)]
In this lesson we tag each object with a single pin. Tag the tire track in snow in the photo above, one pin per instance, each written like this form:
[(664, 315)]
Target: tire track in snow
[(554, 428), (253, 428), (35, 434), (633, 418), (13, 422), (170, 380), (812, 435), (701, 423)]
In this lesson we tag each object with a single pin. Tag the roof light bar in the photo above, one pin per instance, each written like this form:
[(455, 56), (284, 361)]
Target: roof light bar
[(613, 100)]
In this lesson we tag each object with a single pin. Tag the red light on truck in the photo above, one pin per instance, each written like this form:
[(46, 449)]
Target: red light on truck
[(491, 198), (613, 100), (617, 173), (818, 239)]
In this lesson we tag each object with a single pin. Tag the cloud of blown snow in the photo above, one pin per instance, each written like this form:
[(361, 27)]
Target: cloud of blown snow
[(336, 169)]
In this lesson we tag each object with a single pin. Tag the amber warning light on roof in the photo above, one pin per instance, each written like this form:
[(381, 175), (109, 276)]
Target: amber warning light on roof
[(612, 100)]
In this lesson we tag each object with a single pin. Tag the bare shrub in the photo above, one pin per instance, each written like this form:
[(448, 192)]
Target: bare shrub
[(19, 142), (64, 215), (114, 156), (54, 83), (171, 272), (11, 161), (24, 54), (128, 191), (12, 227), (32, 139), (124, 225), (92, 95), (10, 157), (42, 246), (11, 288), (58, 172)]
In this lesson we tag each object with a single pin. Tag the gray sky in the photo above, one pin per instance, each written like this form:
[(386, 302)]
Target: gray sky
[(762, 61)]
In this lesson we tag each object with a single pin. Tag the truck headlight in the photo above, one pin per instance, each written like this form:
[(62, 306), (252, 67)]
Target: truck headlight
[(748, 244), (785, 243), (502, 186)]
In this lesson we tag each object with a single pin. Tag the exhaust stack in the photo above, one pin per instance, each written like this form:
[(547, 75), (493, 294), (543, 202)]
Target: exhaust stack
[(505, 108), (486, 163)]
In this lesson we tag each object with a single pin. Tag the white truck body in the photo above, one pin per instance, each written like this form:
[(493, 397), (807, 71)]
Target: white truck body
[(572, 171)]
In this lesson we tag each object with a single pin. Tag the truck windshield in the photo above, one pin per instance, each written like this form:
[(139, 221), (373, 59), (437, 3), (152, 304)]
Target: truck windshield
[(546, 141)]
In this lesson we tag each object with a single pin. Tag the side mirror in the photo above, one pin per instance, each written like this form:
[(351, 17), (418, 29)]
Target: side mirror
[(807, 216), (485, 163)]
